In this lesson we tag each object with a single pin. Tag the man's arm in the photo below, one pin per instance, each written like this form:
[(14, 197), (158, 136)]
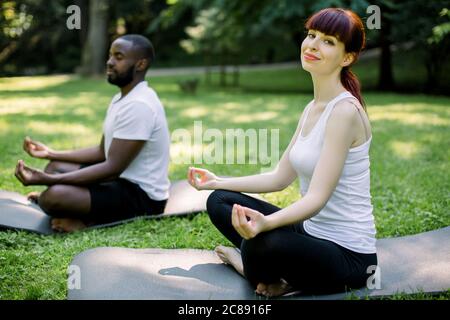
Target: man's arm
[(86, 155), (121, 153)]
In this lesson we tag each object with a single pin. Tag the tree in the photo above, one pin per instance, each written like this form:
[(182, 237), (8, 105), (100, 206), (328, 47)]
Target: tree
[(215, 33), (385, 75), (412, 23), (37, 27), (94, 51), (439, 42), (256, 29)]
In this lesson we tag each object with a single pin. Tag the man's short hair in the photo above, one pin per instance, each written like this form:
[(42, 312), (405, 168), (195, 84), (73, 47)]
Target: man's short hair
[(143, 46)]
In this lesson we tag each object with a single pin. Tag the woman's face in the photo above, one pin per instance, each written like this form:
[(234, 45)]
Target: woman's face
[(323, 54)]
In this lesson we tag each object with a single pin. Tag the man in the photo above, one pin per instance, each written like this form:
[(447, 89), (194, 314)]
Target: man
[(127, 174)]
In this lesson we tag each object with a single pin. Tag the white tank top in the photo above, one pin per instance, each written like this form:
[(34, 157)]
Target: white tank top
[(347, 217)]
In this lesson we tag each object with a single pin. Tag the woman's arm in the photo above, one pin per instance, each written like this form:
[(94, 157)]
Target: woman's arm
[(278, 179), (339, 135)]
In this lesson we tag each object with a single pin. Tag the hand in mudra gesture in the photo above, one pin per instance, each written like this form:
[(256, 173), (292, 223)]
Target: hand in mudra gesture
[(201, 179), (36, 149), (248, 222)]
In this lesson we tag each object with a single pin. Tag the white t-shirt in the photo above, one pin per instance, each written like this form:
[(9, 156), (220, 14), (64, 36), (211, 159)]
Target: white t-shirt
[(140, 115)]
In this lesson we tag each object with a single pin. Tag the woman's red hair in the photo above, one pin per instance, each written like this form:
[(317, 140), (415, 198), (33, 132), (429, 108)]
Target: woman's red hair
[(349, 29)]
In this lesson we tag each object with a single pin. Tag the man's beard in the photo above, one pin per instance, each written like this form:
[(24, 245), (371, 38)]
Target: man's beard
[(122, 79)]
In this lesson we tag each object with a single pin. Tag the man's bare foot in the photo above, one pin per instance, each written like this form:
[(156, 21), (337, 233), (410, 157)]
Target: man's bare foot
[(232, 257), (67, 224), (33, 196), (274, 289)]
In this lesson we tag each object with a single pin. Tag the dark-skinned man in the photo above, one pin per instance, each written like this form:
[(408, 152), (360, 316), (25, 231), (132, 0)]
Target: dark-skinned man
[(127, 173)]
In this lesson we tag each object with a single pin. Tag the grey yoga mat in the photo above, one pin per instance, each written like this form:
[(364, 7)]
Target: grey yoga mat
[(418, 263), (16, 212)]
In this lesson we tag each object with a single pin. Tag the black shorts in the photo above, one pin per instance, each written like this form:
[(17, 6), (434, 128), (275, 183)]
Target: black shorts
[(121, 199)]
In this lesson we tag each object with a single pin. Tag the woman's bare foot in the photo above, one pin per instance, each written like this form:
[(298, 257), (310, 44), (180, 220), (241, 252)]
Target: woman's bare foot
[(232, 257), (67, 224), (274, 289), (33, 196)]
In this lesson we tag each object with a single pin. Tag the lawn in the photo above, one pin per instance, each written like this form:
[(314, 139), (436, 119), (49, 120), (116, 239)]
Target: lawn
[(410, 167)]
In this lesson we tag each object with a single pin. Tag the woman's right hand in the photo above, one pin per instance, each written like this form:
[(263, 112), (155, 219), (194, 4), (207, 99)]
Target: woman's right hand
[(36, 149), (202, 179)]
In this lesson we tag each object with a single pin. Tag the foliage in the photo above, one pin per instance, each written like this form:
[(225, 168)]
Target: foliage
[(442, 30), (35, 26)]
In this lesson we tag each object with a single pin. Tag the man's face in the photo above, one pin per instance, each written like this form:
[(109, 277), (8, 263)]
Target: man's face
[(120, 67)]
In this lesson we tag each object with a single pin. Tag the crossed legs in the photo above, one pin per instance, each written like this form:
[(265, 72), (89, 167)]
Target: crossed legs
[(68, 205), (219, 209), (286, 258)]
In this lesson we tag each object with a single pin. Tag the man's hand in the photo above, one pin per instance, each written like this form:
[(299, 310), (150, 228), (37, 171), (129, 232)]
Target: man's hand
[(29, 176), (36, 149)]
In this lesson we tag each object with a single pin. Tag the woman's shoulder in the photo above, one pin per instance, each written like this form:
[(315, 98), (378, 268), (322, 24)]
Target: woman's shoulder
[(346, 109)]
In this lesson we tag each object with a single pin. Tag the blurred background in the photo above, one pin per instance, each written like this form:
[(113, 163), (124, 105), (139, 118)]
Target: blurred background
[(408, 54)]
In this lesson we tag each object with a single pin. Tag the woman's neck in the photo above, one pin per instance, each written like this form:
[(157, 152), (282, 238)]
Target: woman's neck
[(326, 87)]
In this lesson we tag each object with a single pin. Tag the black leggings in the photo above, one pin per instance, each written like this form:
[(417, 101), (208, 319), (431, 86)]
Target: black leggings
[(307, 263)]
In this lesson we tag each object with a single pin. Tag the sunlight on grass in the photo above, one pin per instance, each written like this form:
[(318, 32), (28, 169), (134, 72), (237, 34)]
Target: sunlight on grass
[(276, 106), (404, 150), (4, 127), (411, 118), (285, 197), (84, 112), (231, 106), (41, 127), (184, 153), (411, 114), (195, 112), (32, 83), (260, 116), (28, 106)]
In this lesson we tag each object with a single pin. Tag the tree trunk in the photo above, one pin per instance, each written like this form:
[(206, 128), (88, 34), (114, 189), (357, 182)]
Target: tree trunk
[(83, 4), (223, 71), (236, 75), (385, 78), (94, 51), (433, 66), (207, 62)]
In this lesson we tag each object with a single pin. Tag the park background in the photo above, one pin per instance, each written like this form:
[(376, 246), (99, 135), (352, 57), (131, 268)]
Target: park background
[(230, 64)]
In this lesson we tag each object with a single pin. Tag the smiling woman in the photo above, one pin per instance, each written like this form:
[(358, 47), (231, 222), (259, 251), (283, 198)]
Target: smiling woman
[(344, 30), (324, 242)]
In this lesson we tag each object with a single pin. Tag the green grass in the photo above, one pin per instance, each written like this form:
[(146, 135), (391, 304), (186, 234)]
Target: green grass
[(409, 162)]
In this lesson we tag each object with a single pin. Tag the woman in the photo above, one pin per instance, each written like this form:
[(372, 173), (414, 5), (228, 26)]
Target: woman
[(325, 241)]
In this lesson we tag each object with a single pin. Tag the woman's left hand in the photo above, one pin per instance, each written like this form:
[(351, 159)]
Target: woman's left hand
[(248, 229)]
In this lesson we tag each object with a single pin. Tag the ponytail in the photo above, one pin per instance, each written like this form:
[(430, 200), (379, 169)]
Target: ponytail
[(351, 83)]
